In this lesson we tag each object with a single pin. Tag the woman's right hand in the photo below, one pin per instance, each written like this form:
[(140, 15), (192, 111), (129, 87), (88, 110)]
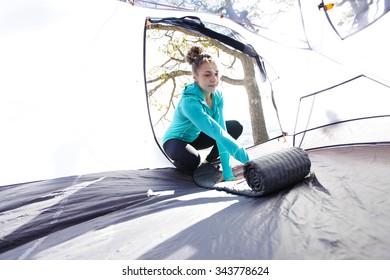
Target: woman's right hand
[(236, 178)]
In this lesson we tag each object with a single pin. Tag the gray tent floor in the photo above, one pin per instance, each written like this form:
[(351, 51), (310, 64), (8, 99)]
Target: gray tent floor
[(162, 214)]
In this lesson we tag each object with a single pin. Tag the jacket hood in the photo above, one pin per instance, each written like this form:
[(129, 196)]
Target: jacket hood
[(193, 90)]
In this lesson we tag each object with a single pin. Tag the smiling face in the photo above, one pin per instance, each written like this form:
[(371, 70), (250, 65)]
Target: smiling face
[(207, 77)]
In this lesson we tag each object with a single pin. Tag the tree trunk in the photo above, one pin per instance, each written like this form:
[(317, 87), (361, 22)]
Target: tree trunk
[(259, 130)]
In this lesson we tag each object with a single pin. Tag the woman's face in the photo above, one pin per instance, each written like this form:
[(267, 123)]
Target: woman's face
[(207, 77)]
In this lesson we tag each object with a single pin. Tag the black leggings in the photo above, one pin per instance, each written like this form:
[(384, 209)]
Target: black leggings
[(185, 155)]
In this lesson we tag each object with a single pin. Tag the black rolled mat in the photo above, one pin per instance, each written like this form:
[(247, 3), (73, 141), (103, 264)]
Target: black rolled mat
[(261, 176), (278, 170)]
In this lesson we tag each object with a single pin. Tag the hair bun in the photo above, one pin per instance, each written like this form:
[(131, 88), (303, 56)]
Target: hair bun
[(193, 53)]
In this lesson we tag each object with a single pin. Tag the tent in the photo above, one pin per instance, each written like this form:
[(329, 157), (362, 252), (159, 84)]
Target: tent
[(83, 175)]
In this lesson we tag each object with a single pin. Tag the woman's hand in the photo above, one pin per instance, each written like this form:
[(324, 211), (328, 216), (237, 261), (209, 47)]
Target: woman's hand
[(238, 170), (234, 179)]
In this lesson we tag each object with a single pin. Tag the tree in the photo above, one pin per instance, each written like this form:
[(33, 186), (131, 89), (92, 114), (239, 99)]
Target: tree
[(171, 70)]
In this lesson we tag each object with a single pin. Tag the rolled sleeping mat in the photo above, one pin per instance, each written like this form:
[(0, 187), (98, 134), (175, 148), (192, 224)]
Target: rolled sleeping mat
[(278, 170)]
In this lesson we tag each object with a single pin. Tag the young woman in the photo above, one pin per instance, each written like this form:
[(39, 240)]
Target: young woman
[(198, 121)]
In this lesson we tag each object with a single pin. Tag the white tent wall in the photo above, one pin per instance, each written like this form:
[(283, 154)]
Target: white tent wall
[(329, 61), (365, 51), (72, 90)]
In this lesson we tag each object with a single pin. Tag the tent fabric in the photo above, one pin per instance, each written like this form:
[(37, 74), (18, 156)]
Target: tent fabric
[(163, 214)]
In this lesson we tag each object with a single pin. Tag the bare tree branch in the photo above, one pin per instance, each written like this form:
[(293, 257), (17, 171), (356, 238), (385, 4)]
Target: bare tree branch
[(170, 103), (164, 78), (216, 43), (170, 75), (235, 82)]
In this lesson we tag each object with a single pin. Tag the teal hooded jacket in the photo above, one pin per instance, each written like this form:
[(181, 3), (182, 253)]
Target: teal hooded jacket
[(193, 115)]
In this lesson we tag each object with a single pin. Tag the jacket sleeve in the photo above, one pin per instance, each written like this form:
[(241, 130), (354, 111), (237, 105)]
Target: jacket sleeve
[(227, 146), (239, 153), (227, 171)]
